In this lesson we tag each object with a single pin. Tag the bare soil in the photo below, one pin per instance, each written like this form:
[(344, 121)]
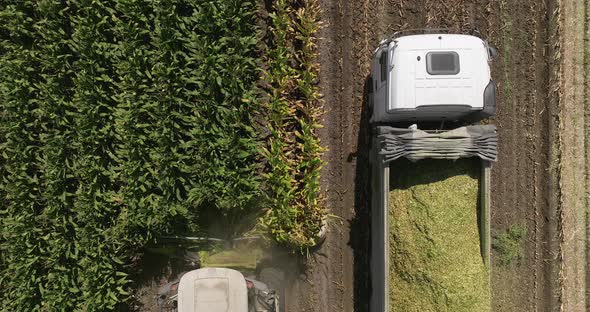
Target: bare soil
[(574, 157), (335, 277), (586, 76)]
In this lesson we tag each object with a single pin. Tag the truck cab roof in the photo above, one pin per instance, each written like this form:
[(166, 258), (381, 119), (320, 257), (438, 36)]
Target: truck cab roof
[(432, 76)]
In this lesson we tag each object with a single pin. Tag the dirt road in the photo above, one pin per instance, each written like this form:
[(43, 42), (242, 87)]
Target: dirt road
[(574, 143), (336, 277)]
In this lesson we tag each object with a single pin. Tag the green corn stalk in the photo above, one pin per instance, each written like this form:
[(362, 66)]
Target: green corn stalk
[(119, 121), (295, 211)]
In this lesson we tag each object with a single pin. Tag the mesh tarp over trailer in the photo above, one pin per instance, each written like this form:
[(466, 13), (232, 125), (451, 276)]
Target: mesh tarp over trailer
[(414, 144), (391, 143)]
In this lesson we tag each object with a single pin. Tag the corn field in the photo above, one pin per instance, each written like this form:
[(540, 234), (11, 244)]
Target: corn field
[(119, 121), (293, 151)]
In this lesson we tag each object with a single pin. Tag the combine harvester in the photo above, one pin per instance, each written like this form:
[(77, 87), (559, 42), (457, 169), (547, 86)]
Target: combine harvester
[(428, 89)]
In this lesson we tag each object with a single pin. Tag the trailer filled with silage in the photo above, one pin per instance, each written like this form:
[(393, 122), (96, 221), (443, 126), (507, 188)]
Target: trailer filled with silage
[(434, 242), (430, 219)]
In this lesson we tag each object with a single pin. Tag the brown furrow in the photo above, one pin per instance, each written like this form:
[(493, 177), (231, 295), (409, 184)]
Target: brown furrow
[(586, 95), (535, 163)]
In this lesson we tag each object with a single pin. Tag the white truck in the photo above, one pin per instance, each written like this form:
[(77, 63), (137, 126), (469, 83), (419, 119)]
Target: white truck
[(432, 77), (424, 80)]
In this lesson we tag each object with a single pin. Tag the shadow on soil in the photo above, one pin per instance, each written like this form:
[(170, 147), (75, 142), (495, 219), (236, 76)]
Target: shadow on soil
[(360, 226)]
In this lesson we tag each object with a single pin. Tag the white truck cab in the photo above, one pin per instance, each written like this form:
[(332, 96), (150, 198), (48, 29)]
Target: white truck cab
[(432, 77), (419, 79)]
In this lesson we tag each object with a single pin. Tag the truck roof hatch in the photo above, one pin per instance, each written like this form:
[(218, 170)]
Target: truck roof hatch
[(438, 70)]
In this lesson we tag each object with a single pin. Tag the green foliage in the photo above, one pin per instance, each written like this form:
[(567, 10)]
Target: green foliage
[(508, 245), (293, 152), (119, 121)]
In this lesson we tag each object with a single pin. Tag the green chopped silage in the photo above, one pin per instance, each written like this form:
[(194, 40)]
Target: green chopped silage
[(435, 259), (242, 258)]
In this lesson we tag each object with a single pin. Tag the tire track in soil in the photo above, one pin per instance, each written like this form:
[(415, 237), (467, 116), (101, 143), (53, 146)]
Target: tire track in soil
[(512, 162), (587, 141), (336, 276), (573, 148)]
